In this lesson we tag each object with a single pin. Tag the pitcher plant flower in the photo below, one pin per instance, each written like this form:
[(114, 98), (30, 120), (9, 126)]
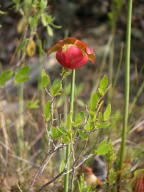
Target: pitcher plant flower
[(72, 53)]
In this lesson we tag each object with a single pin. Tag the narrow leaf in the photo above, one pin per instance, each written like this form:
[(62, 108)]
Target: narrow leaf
[(107, 112), (56, 87), (103, 85), (47, 110), (45, 79), (94, 100)]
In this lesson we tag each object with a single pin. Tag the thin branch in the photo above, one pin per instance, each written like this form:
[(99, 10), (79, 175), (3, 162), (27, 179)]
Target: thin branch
[(64, 172), (44, 163), (51, 181)]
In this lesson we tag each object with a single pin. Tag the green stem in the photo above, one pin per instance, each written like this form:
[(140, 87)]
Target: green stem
[(127, 90), (20, 131), (68, 149)]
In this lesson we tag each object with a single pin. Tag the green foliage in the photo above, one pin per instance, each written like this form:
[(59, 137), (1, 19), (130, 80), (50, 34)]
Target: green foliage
[(57, 132), (43, 4), (103, 85), (115, 11), (79, 118), (110, 156), (45, 79), (17, 2), (106, 148), (89, 125), (22, 75), (46, 21), (97, 119), (103, 148), (82, 134), (33, 21), (102, 125), (33, 104), (107, 112), (36, 12), (65, 73), (112, 176), (4, 77), (94, 121), (56, 87), (82, 187), (94, 100), (47, 111)]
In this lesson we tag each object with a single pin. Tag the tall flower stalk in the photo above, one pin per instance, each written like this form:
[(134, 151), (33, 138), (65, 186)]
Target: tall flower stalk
[(127, 91), (71, 53), (68, 149)]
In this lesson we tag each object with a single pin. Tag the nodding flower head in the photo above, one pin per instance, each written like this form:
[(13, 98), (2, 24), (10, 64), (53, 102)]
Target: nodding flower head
[(72, 53)]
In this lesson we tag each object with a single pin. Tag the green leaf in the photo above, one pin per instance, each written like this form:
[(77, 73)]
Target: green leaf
[(103, 125), (89, 125), (107, 112), (66, 139), (49, 31), (33, 104), (43, 4), (103, 85), (56, 87), (45, 79), (56, 132), (55, 26), (33, 21), (103, 148), (79, 118), (94, 100), (47, 110), (44, 19), (92, 115), (49, 19), (22, 74), (82, 134), (65, 73), (4, 77)]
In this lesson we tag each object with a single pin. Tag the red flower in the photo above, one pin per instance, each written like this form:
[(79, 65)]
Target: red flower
[(72, 53)]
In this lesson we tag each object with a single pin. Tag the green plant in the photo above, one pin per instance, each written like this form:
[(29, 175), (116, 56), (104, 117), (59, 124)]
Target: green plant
[(127, 92), (83, 187)]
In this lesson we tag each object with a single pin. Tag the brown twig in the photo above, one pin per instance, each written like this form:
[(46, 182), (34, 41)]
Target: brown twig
[(51, 181), (44, 163)]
